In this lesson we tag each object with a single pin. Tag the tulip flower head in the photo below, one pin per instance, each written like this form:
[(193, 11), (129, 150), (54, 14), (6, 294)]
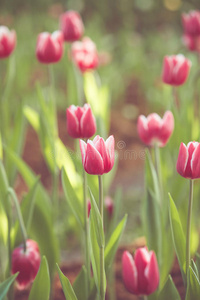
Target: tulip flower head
[(84, 55), (141, 274), (191, 27), (175, 69), (98, 155), (71, 25), (26, 263), (154, 129), (8, 41), (80, 121), (188, 163), (49, 48)]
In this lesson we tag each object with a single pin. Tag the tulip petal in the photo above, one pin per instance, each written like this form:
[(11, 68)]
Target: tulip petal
[(93, 161), (83, 148), (88, 123), (195, 163), (166, 128), (72, 124), (182, 159), (141, 259), (129, 273), (152, 274), (142, 129), (110, 148)]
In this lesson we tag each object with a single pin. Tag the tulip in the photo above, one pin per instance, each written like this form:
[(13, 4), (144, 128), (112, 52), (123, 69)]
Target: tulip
[(71, 25), (191, 23), (109, 205), (88, 207), (8, 41), (84, 55), (175, 69), (155, 130), (80, 121), (192, 43), (188, 163), (26, 263), (49, 48), (141, 274), (98, 155)]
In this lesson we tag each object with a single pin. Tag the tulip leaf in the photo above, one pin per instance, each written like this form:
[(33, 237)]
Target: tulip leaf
[(5, 286), (72, 198), (177, 235), (1, 148), (97, 221), (193, 285), (41, 227), (66, 286), (79, 285), (113, 242), (41, 285), (197, 261), (169, 291), (33, 117)]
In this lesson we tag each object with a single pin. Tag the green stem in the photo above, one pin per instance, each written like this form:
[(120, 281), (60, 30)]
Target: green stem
[(19, 215), (189, 226), (86, 228), (158, 169), (176, 101), (102, 288)]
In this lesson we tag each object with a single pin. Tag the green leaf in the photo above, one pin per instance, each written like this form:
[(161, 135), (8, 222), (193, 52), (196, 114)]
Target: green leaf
[(97, 221), (72, 198), (1, 148), (33, 117), (169, 291), (152, 178), (177, 235), (197, 261), (193, 285), (41, 285), (79, 285), (5, 286), (113, 242), (194, 268), (66, 286), (41, 227), (3, 188)]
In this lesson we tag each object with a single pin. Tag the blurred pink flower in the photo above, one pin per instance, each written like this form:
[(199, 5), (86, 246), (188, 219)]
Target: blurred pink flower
[(188, 163), (175, 69), (84, 55), (154, 129), (26, 263), (109, 205), (98, 155), (49, 48), (71, 25), (8, 41), (141, 274)]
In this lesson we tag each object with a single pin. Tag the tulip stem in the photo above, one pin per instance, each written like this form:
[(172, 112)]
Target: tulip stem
[(102, 271), (158, 169), (11, 192), (176, 98), (87, 255), (189, 226)]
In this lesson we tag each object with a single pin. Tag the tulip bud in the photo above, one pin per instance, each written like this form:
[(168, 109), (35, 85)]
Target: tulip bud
[(154, 129), (49, 48), (88, 207), (188, 163), (175, 69), (141, 274), (80, 121), (71, 25), (109, 205), (8, 41), (84, 55), (26, 263), (191, 23), (98, 155)]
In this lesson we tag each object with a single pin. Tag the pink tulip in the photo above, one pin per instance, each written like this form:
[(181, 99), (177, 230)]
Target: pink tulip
[(84, 55), (154, 130), (49, 48), (80, 121), (191, 23), (141, 274), (109, 205), (89, 207), (188, 163), (192, 43), (71, 25), (98, 155), (26, 263), (8, 41), (175, 69)]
